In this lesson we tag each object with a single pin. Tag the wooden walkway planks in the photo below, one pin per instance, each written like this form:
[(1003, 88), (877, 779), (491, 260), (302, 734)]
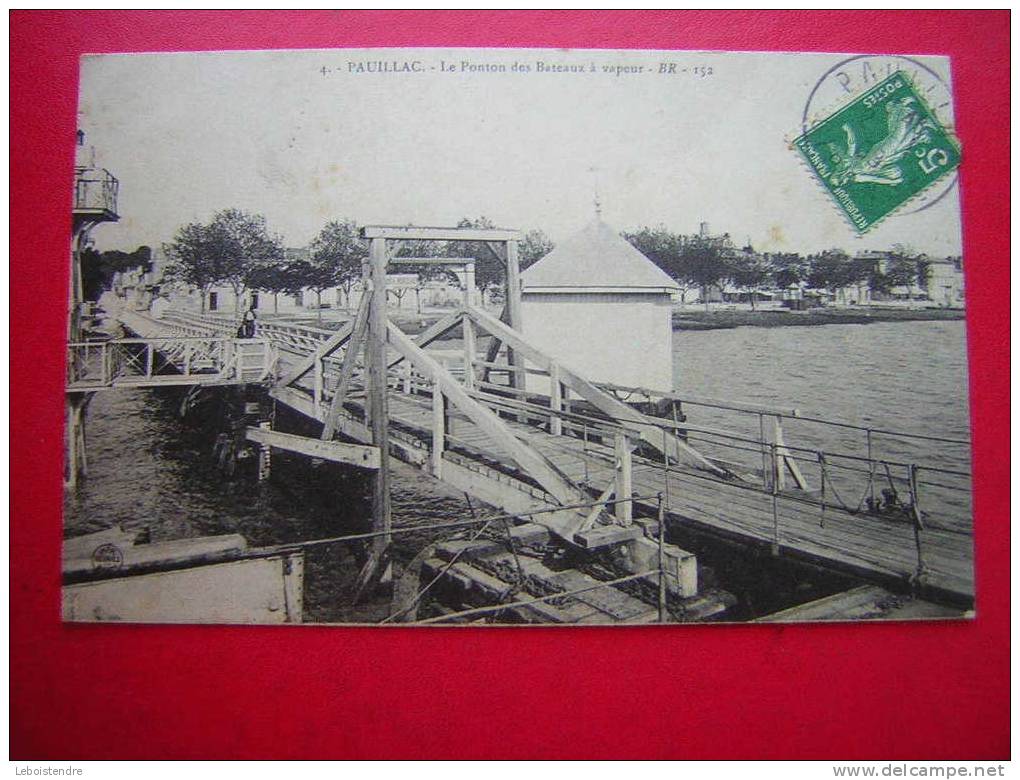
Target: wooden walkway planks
[(866, 545), (860, 543)]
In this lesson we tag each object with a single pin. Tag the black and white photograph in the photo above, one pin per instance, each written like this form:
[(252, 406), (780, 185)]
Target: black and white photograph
[(516, 337)]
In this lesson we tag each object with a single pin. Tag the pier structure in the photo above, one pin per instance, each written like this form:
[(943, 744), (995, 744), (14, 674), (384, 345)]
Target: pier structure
[(604, 470), (95, 202)]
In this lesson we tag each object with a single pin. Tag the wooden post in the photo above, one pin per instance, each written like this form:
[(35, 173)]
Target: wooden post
[(74, 438), (624, 489), (317, 382), (438, 430), (513, 304), (107, 369), (265, 455), (79, 437), (786, 460), (470, 354), (661, 517), (375, 359), (70, 444), (555, 400), (336, 406), (226, 356), (469, 284), (778, 466)]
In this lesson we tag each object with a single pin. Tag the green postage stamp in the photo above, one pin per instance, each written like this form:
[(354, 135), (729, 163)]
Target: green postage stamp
[(879, 151)]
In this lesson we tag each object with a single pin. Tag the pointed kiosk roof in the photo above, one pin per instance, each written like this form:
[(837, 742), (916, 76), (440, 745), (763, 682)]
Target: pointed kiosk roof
[(597, 260)]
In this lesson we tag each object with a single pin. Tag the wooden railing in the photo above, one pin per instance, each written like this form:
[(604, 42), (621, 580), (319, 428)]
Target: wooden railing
[(171, 360)]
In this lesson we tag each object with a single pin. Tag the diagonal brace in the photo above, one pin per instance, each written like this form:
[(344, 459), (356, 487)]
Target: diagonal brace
[(347, 369), (328, 347)]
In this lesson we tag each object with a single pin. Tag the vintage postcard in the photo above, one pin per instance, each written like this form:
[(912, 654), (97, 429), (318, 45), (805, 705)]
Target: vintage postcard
[(447, 337)]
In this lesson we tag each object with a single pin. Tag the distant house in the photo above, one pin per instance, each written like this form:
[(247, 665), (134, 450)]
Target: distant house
[(944, 281), (405, 291)]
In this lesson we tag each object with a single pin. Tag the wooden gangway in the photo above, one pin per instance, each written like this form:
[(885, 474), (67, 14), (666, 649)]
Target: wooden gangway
[(166, 355), (450, 416)]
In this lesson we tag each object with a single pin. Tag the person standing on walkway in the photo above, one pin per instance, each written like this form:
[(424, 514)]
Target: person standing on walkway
[(248, 323)]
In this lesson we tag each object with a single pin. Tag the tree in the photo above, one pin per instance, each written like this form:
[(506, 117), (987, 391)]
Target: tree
[(271, 276), (788, 268), (831, 270), (225, 251), (490, 271), (192, 259), (334, 260), (99, 268), (902, 266), (666, 250), (533, 247), (923, 274), (749, 271), (705, 261), (242, 243), (425, 271), (867, 269)]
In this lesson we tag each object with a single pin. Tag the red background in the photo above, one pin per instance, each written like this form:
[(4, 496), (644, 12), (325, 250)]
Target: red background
[(934, 691)]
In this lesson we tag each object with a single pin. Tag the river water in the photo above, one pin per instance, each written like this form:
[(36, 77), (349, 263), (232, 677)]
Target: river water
[(148, 469), (908, 377)]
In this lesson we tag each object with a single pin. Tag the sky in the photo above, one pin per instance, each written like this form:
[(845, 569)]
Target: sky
[(304, 137)]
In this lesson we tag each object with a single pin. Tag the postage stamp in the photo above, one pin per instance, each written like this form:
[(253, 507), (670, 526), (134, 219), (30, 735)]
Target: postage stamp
[(879, 151)]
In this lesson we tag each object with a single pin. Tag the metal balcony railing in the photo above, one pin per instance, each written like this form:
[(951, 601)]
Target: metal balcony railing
[(95, 189)]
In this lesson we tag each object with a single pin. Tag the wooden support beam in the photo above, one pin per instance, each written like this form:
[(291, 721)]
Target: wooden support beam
[(336, 451), (494, 345), (436, 330), (328, 347), (785, 458), (624, 479), (265, 455), (597, 509), (317, 381), (469, 284), (411, 233), (378, 391), (555, 400), (454, 263), (607, 404), (438, 431), (347, 369), (513, 305), (532, 462), (470, 353)]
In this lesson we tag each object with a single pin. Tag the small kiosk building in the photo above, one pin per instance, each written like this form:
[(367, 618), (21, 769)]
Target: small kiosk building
[(603, 309)]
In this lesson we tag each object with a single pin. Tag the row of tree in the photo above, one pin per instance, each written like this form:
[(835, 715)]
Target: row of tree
[(701, 262), (236, 249), (99, 268)]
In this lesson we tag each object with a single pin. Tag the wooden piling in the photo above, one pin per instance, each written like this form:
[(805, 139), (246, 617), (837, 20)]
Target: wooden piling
[(514, 315), (624, 482), (375, 358)]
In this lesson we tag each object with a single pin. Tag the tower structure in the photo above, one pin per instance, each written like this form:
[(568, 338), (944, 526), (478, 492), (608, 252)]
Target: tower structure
[(95, 202)]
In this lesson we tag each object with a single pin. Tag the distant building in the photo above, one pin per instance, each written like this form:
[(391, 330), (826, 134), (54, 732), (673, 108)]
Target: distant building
[(603, 309), (944, 282), (405, 291)]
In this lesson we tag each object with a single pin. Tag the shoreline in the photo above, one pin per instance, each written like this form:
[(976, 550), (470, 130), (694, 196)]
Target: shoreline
[(776, 318)]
